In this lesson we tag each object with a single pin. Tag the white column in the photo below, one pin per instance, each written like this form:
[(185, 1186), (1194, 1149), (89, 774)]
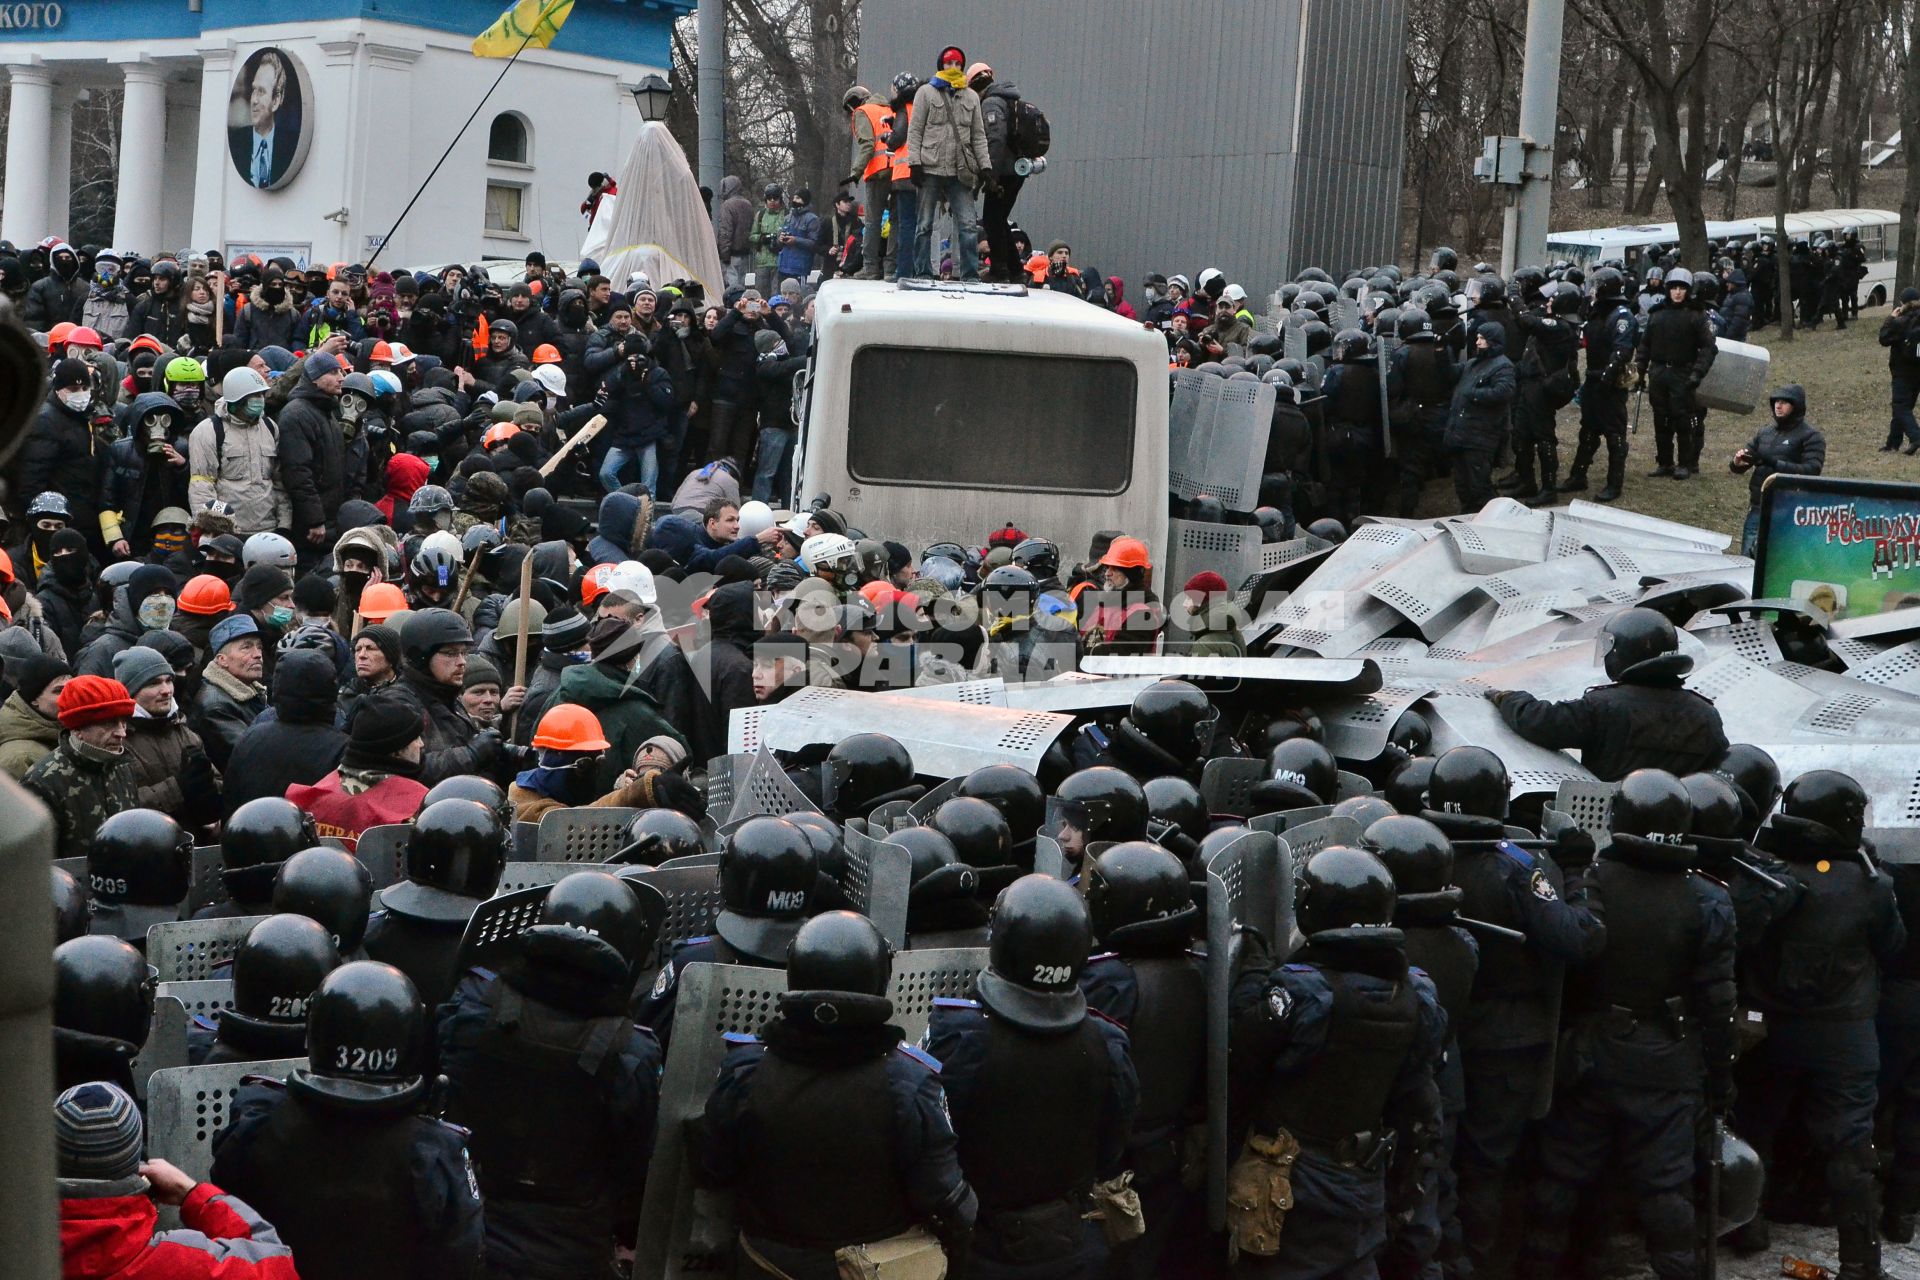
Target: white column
[(29, 142), (212, 163), (143, 135), (60, 165)]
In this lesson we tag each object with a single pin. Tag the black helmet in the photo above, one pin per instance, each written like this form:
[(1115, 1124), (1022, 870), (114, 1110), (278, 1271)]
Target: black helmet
[(838, 969), (1830, 799), (1414, 325), (1741, 1179), (829, 843), (1103, 803), (1301, 773), (1365, 810), (1443, 259), (277, 969), (1566, 302), (1008, 590), (1607, 283), (1327, 529), (1037, 943), (1175, 717), (1757, 777), (1206, 508), (366, 1038), (427, 631), (71, 910), (1295, 722), (139, 868), (1406, 790), (1486, 287), (864, 771), (1528, 280), (658, 835), (1217, 840), (1470, 781), (936, 874), (479, 538), (1138, 891), (1634, 637), (1651, 805), (1417, 855), (431, 500), (599, 924), (1344, 892), (1717, 807), (455, 855), (1016, 793), (1174, 800), (260, 836), (1351, 345), (977, 830), (767, 872), (330, 886), (471, 786), (1272, 521), (1038, 556), (1411, 733), (102, 987), (1706, 289)]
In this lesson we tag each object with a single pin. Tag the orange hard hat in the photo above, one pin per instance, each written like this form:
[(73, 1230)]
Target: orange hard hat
[(546, 353), (205, 596), (382, 353), (335, 269), (6, 611), (1126, 553), (81, 336), (594, 584), (381, 601), (147, 342), (499, 433), (569, 726), (6, 569), (57, 336)]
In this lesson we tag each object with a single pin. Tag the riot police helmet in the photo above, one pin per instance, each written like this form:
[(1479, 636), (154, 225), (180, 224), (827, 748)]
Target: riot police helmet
[(1678, 278), (1468, 781), (1717, 807), (277, 968), (598, 924), (767, 875), (139, 868), (1295, 722), (1138, 892), (471, 786), (1271, 520), (1411, 733), (1327, 529), (828, 839), (1417, 855), (1638, 644), (1016, 793), (1406, 790), (1351, 346), (1365, 810), (1217, 840), (1038, 556), (1528, 280), (102, 987), (1037, 943), (936, 875), (1345, 893), (1300, 773), (1104, 803), (367, 1039), (261, 835), (1653, 806), (1826, 798), (1706, 289), (1741, 1179), (1313, 275), (1414, 325), (1178, 803), (978, 831), (866, 770), (1486, 289), (1207, 509), (1443, 259), (71, 910), (655, 836), (455, 855), (330, 886), (1607, 284), (1566, 302), (1177, 718), (839, 967), (427, 631), (1757, 777)]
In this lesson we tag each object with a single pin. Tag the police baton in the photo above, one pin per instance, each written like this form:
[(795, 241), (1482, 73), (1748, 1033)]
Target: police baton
[(1639, 395), (1741, 864), (1488, 929)]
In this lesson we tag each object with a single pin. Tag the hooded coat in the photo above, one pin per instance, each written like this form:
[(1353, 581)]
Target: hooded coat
[(313, 457), (623, 529), (122, 633), (1477, 418), (26, 736), (733, 220), (300, 745), (118, 1237), (627, 713), (58, 455), (263, 324), (405, 475), (238, 463), (1793, 447), (724, 665)]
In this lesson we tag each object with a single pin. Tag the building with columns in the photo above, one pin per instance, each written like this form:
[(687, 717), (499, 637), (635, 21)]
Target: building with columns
[(304, 126)]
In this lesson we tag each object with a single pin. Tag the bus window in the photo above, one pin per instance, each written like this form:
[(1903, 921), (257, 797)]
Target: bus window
[(990, 420)]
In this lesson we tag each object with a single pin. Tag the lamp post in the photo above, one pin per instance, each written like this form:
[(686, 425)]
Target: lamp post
[(651, 96)]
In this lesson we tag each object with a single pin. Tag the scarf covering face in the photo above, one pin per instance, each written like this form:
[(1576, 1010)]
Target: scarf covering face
[(954, 76)]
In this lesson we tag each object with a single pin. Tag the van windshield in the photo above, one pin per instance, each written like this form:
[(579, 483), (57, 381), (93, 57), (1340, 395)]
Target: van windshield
[(990, 420)]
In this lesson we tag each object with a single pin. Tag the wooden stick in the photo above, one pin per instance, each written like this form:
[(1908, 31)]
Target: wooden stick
[(217, 286), (466, 579), (357, 621), (580, 437), (520, 650)]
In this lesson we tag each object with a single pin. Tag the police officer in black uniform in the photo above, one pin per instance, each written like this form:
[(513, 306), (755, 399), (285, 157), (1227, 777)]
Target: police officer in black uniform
[(360, 1182), (1645, 719), (1042, 1091), (1304, 774), (1335, 1054), (943, 895), (1148, 980), (1650, 1024), (558, 1088), (861, 772), (768, 874), (1426, 911), (276, 970), (455, 856), (1548, 374), (102, 1010), (1355, 431), (139, 868), (1507, 1037), (1171, 730), (829, 1132), (1675, 351), (1898, 1025), (1610, 336), (1421, 377), (1816, 979), (259, 836), (332, 887), (1759, 884), (1756, 776)]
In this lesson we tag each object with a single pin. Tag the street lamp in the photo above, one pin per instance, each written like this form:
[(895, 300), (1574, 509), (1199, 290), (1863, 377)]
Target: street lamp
[(651, 96)]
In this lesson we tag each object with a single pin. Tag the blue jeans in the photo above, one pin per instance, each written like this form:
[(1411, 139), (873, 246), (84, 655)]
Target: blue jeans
[(905, 232), (966, 224), (773, 465), (1905, 391), (617, 459), (1750, 531)]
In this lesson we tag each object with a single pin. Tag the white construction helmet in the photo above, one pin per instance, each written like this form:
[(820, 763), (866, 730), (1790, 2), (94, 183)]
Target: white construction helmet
[(827, 548), (756, 517), (241, 383), (630, 577), (266, 548)]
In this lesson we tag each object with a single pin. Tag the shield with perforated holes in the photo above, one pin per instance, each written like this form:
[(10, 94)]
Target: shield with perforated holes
[(1217, 438), (946, 740), (1243, 890)]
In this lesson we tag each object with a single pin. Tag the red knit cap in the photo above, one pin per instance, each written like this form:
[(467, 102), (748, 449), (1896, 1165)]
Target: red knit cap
[(92, 699), (1207, 581)]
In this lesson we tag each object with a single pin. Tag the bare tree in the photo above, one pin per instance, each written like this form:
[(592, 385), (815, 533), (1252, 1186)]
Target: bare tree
[(1903, 17)]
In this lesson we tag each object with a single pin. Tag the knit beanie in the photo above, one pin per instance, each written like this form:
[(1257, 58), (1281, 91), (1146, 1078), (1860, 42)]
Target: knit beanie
[(138, 667), (260, 584), (315, 595), (97, 1137), (71, 373), (481, 671), (150, 580), (34, 675), (565, 630), (94, 699), (383, 726), (386, 638), (171, 645), (320, 364), (668, 746)]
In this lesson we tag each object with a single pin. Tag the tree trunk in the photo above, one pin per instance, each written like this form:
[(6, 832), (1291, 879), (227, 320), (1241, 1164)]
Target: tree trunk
[(1630, 143), (1904, 267)]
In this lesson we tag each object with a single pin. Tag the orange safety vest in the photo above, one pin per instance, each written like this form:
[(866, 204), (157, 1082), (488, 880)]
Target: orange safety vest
[(902, 171), (882, 121)]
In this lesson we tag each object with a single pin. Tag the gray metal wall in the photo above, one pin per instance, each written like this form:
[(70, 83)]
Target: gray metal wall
[(1183, 136)]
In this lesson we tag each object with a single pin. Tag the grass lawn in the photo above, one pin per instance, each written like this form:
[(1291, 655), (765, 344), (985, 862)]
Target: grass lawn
[(1845, 374)]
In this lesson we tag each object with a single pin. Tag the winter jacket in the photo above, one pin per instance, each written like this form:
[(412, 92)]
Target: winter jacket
[(733, 220), (1477, 418), (238, 463), (117, 1237), (263, 324), (627, 713), (703, 486), (123, 631), (997, 107), (686, 540), (312, 458), (773, 378), (1737, 308), (447, 730), (222, 711), (136, 484), (797, 259), (724, 665), (300, 745), (639, 406), (59, 455), (604, 354), (82, 788), (320, 322), (1900, 335), (739, 358), (623, 529), (948, 135), (51, 301), (164, 316), (26, 736), (689, 362), (170, 767), (1794, 447), (763, 238), (1680, 337), (64, 607), (105, 311)]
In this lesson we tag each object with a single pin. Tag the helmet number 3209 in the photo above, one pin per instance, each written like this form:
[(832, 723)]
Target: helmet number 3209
[(356, 1058)]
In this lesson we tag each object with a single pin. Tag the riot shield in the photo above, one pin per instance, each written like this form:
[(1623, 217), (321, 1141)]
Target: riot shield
[(187, 1106), (166, 1045), (187, 950), (586, 834), (208, 887), (1588, 803), (875, 879), (1217, 438), (383, 849), (946, 740), (765, 791), (1241, 886), (1385, 344), (1227, 785)]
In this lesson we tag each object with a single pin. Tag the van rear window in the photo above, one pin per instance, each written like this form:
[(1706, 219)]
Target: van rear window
[(990, 420)]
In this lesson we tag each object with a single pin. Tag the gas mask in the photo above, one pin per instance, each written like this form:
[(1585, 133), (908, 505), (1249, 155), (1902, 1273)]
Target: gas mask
[(106, 274), (353, 407), (153, 432), (155, 612)]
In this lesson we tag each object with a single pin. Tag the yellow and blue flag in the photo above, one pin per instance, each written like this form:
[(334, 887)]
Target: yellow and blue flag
[(525, 24)]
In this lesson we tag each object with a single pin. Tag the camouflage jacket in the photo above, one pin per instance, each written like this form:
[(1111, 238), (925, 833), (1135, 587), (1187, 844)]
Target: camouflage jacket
[(82, 792)]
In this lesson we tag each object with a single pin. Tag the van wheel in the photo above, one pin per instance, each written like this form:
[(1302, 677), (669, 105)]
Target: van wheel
[(1878, 298)]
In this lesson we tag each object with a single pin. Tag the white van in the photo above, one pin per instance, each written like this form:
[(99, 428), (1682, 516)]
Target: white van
[(935, 412)]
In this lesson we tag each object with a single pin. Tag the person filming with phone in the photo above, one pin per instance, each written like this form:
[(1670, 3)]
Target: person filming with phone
[(736, 391)]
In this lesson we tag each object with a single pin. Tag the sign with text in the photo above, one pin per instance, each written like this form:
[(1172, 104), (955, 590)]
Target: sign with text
[(1850, 548)]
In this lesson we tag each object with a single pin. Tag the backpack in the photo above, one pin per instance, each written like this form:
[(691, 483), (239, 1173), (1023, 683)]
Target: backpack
[(1031, 134), (220, 438)]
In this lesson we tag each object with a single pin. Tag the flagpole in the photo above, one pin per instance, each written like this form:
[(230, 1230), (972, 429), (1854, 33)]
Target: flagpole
[(388, 238)]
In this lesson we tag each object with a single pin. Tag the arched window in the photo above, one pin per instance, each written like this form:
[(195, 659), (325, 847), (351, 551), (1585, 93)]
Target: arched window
[(507, 139)]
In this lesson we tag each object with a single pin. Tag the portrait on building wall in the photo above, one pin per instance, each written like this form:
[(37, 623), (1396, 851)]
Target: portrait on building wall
[(267, 118)]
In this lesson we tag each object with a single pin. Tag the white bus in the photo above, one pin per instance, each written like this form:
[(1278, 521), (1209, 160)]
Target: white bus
[(943, 412)]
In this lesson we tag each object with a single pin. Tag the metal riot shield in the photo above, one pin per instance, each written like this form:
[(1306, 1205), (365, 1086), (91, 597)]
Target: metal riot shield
[(1385, 344), (1293, 336), (586, 834), (945, 739), (186, 950), (1227, 785), (496, 923), (1241, 886), (1588, 804), (875, 879), (166, 1044), (383, 849), (765, 791), (528, 875), (208, 887), (1217, 438), (1345, 312), (1737, 380), (203, 998), (187, 1106), (1049, 859)]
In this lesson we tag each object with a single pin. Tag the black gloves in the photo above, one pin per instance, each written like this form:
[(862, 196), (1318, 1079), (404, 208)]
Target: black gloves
[(1572, 850)]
